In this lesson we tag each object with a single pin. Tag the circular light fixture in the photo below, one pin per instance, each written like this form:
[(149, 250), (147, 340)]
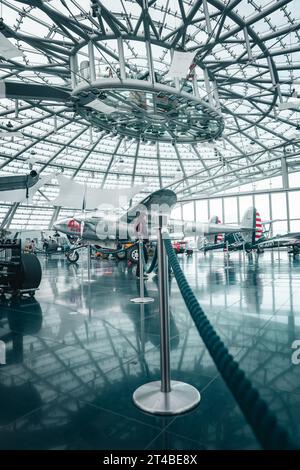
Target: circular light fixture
[(150, 112)]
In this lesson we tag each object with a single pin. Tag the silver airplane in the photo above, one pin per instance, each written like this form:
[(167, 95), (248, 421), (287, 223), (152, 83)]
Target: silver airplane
[(109, 230)]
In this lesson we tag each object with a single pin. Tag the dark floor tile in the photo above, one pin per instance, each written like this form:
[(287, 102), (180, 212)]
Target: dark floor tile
[(76, 354)]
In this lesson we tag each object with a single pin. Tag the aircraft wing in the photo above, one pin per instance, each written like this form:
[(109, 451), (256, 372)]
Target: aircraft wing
[(290, 239), (160, 201), (223, 228), (203, 228)]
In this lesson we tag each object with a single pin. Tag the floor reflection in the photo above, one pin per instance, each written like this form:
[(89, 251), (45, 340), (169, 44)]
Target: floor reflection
[(76, 354)]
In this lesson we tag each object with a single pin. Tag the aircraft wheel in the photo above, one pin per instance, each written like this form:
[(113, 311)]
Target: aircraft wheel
[(72, 256), (133, 254)]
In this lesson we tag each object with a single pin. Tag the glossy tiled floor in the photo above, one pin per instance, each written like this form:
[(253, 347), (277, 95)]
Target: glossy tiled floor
[(76, 354)]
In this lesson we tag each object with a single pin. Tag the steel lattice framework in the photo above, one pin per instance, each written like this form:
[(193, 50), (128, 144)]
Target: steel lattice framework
[(245, 68)]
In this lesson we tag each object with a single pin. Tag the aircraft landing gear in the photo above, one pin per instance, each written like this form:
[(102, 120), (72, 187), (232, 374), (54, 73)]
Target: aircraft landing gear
[(72, 256), (295, 250), (133, 254)]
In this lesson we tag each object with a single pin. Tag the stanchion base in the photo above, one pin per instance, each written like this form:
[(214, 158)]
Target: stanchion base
[(181, 398), (142, 300)]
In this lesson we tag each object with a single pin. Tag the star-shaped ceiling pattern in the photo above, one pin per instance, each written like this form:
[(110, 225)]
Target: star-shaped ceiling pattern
[(245, 68)]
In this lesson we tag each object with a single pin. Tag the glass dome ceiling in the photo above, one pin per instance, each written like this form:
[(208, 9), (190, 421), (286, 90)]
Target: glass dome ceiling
[(244, 79)]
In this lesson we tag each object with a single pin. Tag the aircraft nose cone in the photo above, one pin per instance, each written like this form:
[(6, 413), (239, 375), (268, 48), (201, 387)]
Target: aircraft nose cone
[(60, 226), (57, 227)]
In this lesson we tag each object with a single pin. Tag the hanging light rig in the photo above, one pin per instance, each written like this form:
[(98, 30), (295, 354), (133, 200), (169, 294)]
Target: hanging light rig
[(143, 106)]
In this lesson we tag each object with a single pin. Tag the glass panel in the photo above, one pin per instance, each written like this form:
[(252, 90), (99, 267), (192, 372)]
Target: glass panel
[(262, 206), (31, 218), (188, 211), (279, 206), (176, 212), (279, 228), (202, 210), (245, 203), (230, 209), (295, 225), (294, 199), (294, 180), (279, 212), (216, 208)]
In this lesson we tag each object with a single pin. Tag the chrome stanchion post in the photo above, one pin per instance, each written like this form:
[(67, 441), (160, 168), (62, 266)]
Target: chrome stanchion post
[(141, 269), (244, 258), (141, 299), (89, 262), (165, 396), (164, 313), (143, 336), (89, 274), (227, 255)]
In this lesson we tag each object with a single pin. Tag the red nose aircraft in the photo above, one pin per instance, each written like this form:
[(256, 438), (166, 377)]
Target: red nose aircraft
[(109, 230)]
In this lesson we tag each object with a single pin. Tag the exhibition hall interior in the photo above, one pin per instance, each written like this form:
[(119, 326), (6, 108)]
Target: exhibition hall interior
[(149, 225)]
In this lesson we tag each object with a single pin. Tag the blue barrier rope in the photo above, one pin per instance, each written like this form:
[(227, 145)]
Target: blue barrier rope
[(269, 433)]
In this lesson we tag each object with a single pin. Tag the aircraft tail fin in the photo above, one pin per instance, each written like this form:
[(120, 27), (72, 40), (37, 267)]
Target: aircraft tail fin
[(251, 225), (258, 227)]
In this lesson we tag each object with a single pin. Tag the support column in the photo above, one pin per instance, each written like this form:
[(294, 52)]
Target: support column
[(9, 216), (74, 70), (91, 61), (207, 17), (121, 58), (247, 42), (285, 176), (176, 79), (195, 86), (208, 88), (287, 211)]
